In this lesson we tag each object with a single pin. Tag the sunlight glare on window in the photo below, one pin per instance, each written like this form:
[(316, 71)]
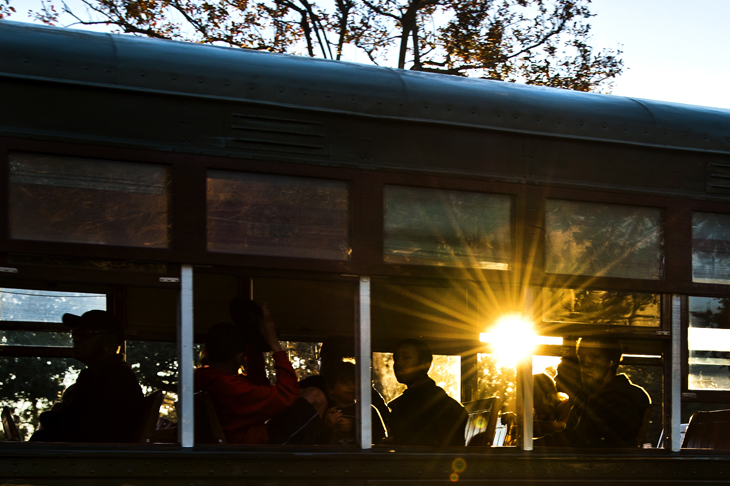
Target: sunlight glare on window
[(512, 339)]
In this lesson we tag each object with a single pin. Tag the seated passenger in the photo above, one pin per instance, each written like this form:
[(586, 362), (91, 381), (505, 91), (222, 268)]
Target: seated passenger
[(567, 381), (340, 421), (545, 406), (341, 393), (334, 349), (104, 405), (609, 410), (251, 412), (424, 414), (249, 317)]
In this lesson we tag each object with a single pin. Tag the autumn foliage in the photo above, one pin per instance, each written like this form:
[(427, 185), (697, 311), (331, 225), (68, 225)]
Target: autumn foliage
[(540, 42)]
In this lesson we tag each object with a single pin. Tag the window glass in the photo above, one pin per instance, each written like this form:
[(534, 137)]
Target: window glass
[(30, 385), (711, 248), (649, 377), (45, 305), (497, 377), (31, 338), (78, 200), (602, 307), (303, 356), (445, 371), (708, 341), (156, 367), (603, 240), (451, 228), (258, 214)]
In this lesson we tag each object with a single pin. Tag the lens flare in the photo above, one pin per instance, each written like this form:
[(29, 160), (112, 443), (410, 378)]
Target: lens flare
[(458, 465), (454, 477), (512, 339)]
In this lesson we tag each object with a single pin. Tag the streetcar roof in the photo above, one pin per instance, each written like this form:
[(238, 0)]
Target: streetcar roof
[(163, 66)]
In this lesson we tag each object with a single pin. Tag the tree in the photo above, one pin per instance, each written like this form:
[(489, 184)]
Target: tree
[(541, 42), (30, 385), (6, 9)]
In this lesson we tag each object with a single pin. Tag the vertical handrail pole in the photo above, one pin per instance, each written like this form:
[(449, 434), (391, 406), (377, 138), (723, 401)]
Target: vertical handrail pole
[(363, 363), (186, 424), (524, 379), (676, 384)]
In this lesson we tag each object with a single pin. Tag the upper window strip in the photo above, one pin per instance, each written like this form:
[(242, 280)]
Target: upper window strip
[(447, 228), (711, 248), (604, 240), (78, 200), (272, 215)]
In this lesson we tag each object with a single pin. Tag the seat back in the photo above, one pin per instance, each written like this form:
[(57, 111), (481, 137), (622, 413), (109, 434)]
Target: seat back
[(208, 428), (482, 421), (708, 430), (149, 415), (11, 430)]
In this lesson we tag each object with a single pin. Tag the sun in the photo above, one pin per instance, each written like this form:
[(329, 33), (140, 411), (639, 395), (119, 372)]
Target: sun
[(512, 339)]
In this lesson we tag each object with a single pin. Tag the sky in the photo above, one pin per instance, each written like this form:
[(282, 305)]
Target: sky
[(673, 50)]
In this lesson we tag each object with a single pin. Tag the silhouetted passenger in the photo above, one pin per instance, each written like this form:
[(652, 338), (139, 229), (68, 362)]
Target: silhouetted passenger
[(567, 382), (249, 317), (609, 410), (545, 397), (424, 414), (104, 404), (251, 412), (545, 404), (331, 355)]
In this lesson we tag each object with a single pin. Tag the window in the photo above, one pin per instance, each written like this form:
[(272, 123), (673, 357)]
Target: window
[(41, 306), (603, 240), (445, 371), (258, 214), (77, 200), (711, 248), (29, 385), (602, 307), (449, 228), (708, 341)]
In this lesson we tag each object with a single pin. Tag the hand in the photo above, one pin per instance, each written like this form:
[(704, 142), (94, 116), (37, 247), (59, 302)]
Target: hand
[(344, 424), (268, 330), (332, 418)]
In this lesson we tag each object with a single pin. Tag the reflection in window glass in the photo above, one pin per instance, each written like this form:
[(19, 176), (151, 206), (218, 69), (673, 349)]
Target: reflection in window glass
[(30, 338), (445, 371), (498, 378), (649, 377), (77, 200), (451, 228), (30, 386), (603, 240), (602, 307), (303, 356), (258, 214), (156, 367), (711, 248), (45, 305), (708, 341)]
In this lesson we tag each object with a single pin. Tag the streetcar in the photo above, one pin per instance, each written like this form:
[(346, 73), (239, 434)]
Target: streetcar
[(159, 180)]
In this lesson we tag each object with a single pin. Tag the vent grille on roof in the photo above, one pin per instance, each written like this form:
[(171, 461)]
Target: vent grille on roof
[(718, 178), (269, 134)]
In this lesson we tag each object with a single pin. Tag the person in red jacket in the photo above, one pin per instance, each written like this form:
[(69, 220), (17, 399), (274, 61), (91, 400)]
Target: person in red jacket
[(252, 412)]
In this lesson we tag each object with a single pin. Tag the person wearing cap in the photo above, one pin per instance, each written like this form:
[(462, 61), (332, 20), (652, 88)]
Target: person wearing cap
[(104, 404), (609, 410)]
